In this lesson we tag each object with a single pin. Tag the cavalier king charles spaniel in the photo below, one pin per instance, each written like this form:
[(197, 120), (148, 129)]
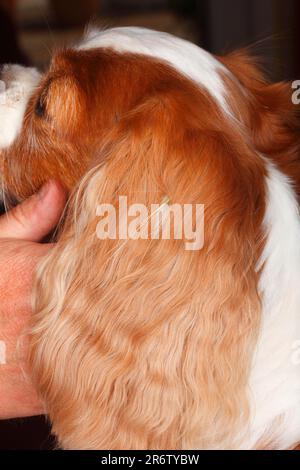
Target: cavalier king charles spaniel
[(141, 343)]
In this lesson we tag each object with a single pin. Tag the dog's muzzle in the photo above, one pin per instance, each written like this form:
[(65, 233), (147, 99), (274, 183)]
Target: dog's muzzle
[(16, 86)]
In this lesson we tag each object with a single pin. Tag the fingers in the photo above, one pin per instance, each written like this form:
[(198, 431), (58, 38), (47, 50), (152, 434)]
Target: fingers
[(34, 218)]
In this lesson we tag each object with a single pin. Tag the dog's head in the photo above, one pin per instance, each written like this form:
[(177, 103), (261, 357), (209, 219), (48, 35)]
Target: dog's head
[(130, 84), (143, 87), (142, 343)]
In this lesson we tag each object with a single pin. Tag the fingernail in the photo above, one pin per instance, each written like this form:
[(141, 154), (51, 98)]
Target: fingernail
[(44, 190)]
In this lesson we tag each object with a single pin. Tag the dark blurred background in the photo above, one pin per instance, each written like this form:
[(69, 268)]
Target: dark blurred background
[(31, 29)]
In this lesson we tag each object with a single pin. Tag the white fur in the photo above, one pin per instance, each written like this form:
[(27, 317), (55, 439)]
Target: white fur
[(16, 86), (275, 378), (185, 57)]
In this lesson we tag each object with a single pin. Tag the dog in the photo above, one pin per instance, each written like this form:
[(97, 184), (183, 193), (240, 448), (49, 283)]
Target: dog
[(141, 343)]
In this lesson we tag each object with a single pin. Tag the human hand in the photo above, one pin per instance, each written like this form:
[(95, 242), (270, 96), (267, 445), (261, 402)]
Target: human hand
[(20, 231)]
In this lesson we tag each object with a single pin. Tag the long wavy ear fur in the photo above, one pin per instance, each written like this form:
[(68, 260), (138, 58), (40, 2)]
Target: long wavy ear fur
[(141, 344)]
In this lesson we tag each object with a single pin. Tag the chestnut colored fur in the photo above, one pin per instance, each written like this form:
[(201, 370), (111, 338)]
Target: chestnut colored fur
[(142, 344)]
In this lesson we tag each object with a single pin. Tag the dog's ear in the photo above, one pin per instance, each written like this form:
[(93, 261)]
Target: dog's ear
[(142, 343), (273, 119)]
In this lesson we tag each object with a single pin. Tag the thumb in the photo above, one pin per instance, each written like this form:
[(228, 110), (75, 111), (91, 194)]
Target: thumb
[(34, 218)]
